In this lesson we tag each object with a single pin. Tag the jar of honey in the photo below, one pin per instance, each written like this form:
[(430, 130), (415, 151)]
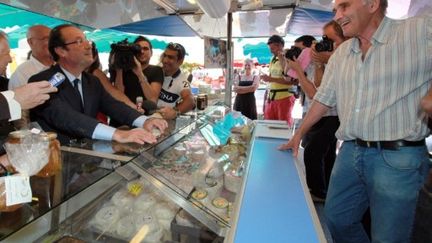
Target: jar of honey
[(202, 101), (54, 164)]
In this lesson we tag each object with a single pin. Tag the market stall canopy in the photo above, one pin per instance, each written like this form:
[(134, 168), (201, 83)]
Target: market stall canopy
[(177, 17), (251, 18), (108, 13), (184, 19)]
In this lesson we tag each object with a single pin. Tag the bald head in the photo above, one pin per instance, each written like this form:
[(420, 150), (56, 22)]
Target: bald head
[(34, 31), (37, 38)]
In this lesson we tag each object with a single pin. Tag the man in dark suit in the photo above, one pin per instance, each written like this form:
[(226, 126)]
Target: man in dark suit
[(71, 112)]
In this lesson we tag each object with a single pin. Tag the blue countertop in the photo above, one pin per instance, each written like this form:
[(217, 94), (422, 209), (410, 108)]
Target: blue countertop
[(274, 207)]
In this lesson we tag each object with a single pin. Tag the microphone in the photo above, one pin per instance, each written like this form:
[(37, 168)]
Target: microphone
[(139, 102), (57, 79), (149, 106)]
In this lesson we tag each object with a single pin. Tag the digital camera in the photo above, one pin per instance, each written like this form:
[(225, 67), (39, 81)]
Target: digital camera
[(293, 52), (325, 45), (124, 53)]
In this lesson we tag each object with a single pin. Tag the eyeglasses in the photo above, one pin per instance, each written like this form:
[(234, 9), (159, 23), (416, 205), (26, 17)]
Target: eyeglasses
[(177, 47), (79, 42)]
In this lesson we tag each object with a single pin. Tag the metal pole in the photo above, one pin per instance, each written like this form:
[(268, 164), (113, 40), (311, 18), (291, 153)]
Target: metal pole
[(229, 69)]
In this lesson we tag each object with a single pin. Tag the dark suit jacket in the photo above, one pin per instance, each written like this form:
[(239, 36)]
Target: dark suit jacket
[(5, 126), (4, 109), (62, 112)]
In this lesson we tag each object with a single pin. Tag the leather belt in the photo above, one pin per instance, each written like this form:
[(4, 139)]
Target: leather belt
[(390, 145)]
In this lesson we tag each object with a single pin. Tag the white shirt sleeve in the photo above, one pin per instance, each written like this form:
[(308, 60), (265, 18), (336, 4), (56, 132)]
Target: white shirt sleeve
[(14, 106)]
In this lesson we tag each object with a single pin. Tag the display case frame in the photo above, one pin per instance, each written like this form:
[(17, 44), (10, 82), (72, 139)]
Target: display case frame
[(56, 218)]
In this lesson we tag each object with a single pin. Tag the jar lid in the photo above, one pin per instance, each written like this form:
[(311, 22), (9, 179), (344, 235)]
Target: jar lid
[(19, 133), (52, 135), (49, 135)]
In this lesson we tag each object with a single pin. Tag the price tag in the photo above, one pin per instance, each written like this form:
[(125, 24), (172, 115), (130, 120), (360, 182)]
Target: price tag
[(35, 131), (18, 189)]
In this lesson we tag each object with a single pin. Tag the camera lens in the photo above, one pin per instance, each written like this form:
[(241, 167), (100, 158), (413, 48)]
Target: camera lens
[(293, 52), (325, 45)]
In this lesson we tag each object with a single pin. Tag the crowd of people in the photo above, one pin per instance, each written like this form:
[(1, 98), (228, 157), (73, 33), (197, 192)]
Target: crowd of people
[(370, 88), (75, 107)]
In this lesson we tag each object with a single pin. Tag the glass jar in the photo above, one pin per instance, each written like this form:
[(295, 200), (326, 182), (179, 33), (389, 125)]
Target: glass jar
[(16, 137), (202, 101), (54, 164)]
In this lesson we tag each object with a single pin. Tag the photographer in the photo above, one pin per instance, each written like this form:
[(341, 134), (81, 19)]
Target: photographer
[(320, 142), (139, 78)]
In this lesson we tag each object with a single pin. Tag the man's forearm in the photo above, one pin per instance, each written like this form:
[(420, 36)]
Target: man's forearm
[(147, 89), (186, 105)]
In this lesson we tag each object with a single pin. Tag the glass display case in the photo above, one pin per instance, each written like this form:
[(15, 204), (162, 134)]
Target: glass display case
[(182, 188)]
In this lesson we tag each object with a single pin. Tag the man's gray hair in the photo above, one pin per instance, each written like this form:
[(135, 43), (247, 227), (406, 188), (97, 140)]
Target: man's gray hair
[(383, 5)]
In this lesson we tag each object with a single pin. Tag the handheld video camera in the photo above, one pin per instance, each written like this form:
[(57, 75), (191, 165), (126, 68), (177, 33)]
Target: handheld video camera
[(124, 53), (293, 52), (325, 45)]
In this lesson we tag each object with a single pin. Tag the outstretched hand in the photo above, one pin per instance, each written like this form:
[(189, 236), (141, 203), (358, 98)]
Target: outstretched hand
[(136, 135), (33, 94), (157, 123), (292, 144)]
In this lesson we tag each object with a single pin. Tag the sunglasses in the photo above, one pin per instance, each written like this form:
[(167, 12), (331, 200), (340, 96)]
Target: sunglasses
[(177, 47)]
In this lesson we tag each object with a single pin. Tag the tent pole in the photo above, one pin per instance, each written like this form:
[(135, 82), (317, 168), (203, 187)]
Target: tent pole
[(229, 69)]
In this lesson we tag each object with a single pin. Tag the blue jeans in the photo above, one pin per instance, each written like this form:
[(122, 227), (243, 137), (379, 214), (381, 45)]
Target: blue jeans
[(387, 181)]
